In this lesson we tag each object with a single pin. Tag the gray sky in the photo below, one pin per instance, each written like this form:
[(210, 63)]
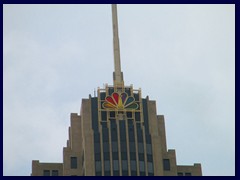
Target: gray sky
[(182, 56)]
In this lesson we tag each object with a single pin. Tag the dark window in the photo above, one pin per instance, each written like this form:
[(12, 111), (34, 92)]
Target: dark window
[(107, 173), (105, 147), (105, 134), (97, 147), (133, 173), (104, 116), (180, 174), (107, 165), (129, 114), (73, 162), (149, 158), (148, 139), (141, 166), (150, 167), (114, 146), (131, 134), (98, 173), (136, 96), (142, 174), (98, 166), (115, 165), (124, 165), (115, 155), (137, 116), (124, 155), (54, 172), (150, 174), (122, 131), (96, 138), (97, 156), (115, 173), (140, 148), (103, 95), (106, 156), (112, 114), (125, 173), (141, 156), (133, 165), (114, 135), (132, 156), (110, 91), (149, 149), (132, 146), (94, 109), (123, 146), (166, 164), (46, 173), (128, 91), (188, 174)]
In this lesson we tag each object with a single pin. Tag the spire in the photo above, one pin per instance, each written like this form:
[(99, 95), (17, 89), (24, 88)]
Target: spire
[(117, 74)]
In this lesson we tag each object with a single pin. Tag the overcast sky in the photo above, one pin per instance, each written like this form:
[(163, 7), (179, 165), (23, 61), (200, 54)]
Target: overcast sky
[(182, 56)]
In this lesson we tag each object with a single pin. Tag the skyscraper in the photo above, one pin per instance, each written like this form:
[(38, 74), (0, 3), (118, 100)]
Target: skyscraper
[(117, 133)]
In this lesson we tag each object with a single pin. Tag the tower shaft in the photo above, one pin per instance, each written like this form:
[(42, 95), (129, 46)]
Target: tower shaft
[(117, 75)]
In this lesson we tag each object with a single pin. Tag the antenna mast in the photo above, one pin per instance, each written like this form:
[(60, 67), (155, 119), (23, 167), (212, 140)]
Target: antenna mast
[(117, 74)]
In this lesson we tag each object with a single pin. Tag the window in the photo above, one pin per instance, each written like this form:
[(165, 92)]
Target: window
[(180, 174), (114, 146), (97, 147), (124, 155), (73, 162), (133, 173), (98, 166), (188, 174), (150, 167), (54, 172), (97, 157), (140, 148), (124, 165), (115, 173), (115, 165), (141, 166), (107, 173), (106, 156), (166, 164), (132, 147), (46, 173), (107, 165), (98, 173), (141, 156), (112, 114), (115, 155), (124, 146), (137, 116), (149, 149), (149, 158), (129, 114), (132, 156), (105, 134), (133, 165)]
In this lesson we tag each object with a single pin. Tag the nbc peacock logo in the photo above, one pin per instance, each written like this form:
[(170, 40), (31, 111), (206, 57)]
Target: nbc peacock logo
[(120, 101)]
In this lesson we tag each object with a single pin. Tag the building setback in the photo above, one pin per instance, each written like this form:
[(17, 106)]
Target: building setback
[(118, 133)]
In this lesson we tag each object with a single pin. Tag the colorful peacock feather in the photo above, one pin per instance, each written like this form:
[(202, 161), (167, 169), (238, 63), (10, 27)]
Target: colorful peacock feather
[(120, 101)]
